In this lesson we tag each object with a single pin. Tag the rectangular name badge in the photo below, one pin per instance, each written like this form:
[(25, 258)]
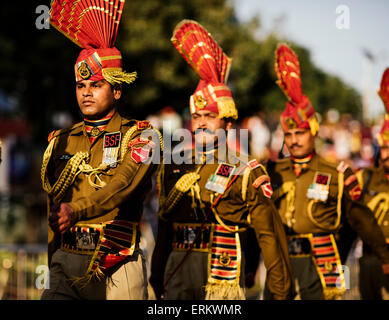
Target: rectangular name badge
[(111, 147), (319, 189), (218, 181)]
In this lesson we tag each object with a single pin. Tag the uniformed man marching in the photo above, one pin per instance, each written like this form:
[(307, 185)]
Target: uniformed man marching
[(96, 173), (206, 202), (373, 284), (315, 197)]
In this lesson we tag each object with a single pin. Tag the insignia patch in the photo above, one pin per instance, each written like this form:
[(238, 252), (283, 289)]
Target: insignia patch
[(267, 189), (253, 164), (355, 193), (218, 181), (319, 189), (140, 149), (84, 70), (260, 180), (291, 123), (142, 125), (200, 102), (350, 180), (140, 154), (111, 147)]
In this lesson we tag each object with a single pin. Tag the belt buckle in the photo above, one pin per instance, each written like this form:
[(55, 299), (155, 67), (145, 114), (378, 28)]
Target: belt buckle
[(85, 240), (299, 246), (191, 235)]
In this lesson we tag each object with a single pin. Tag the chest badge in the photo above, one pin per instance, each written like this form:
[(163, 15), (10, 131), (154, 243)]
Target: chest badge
[(111, 147), (218, 181), (320, 187)]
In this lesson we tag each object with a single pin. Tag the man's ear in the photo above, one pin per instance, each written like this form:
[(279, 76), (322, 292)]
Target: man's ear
[(117, 91), (228, 124)]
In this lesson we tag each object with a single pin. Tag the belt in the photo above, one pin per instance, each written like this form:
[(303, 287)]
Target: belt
[(83, 238), (185, 233)]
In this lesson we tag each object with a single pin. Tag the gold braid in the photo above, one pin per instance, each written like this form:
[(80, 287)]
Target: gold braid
[(180, 188), (128, 137), (78, 164), (67, 176), (379, 205)]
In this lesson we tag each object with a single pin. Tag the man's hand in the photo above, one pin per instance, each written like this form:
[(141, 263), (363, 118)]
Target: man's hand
[(385, 268), (61, 218)]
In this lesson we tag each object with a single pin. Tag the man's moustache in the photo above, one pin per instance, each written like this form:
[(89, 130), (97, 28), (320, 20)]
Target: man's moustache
[(204, 130)]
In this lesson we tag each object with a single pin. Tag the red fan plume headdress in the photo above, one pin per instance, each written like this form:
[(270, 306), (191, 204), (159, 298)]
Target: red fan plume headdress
[(211, 64), (92, 25), (383, 135), (298, 112)]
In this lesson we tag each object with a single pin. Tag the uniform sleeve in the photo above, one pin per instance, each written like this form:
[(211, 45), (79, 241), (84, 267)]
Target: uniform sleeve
[(251, 253), (160, 255), (362, 220), (129, 177), (270, 235)]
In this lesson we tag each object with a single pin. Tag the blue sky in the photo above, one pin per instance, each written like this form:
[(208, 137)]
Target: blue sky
[(312, 24)]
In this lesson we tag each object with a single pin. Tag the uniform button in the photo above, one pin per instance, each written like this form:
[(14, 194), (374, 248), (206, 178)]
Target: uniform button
[(385, 223)]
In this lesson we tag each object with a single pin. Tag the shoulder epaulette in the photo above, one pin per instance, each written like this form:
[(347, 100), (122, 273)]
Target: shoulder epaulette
[(56, 133), (342, 167), (143, 125)]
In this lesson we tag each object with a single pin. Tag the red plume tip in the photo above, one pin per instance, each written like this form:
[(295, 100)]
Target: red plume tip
[(384, 89), (201, 51)]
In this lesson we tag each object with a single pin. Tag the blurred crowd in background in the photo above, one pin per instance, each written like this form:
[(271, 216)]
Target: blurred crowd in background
[(37, 96)]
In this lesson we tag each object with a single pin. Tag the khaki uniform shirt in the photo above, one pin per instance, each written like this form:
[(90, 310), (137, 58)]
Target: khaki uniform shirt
[(126, 184), (232, 207), (323, 215), (377, 187)]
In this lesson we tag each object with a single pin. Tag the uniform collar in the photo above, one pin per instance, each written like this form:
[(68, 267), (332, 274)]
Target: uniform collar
[(312, 165), (113, 125)]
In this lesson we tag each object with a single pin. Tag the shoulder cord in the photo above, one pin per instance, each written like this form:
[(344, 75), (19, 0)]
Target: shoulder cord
[(67, 175), (338, 209), (379, 205), (77, 164), (288, 188)]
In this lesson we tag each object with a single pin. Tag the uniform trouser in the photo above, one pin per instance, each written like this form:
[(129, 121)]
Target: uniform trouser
[(189, 282), (305, 277), (126, 281), (371, 278)]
